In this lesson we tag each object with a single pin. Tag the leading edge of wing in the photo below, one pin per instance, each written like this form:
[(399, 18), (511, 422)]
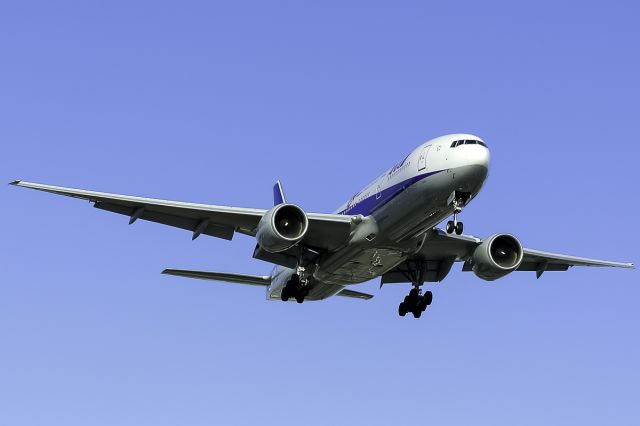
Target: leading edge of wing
[(106, 196)]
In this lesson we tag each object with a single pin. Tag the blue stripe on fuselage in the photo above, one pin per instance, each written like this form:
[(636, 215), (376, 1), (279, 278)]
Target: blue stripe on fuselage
[(375, 201)]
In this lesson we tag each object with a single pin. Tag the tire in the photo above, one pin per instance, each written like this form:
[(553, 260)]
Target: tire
[(428, 298), (294, 281), (284, 294), (450, 227), (459, 228), (417, 313), (421, 305), (300, 297), (402, 309)]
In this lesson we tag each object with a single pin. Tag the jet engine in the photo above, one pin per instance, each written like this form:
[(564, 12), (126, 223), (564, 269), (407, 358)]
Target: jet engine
[(497, 256), (281, 228)]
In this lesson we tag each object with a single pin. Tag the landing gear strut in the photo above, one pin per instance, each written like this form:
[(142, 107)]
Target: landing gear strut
[(454, 225), (415, 302)]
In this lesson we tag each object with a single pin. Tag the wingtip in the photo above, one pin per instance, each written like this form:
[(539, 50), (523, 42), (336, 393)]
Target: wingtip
[(15, 182)]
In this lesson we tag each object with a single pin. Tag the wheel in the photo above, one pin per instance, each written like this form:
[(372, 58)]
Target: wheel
[(459, 228), (428, 298), (300, 297), (421, 304), (402, 309), (284, 294), (417, 313), (413, 293), (450, 227)]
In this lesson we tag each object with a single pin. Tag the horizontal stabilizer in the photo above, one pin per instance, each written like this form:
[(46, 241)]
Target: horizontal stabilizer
[(354, 294), (263, 280)]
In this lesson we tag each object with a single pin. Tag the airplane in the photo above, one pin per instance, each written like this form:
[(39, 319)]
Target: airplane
[(387, 230)]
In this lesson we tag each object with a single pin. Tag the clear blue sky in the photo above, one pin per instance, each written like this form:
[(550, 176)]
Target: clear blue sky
[(212, 102)]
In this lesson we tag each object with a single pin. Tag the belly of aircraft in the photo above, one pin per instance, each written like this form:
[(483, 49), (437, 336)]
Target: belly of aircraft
[(360, 265), (402, 222)]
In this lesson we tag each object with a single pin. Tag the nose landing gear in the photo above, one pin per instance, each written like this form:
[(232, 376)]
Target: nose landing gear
[(454, 225)]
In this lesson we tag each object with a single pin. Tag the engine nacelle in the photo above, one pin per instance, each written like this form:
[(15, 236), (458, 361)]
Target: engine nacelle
[(497, 256), (282, 227)]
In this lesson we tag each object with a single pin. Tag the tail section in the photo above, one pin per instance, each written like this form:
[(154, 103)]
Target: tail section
[(260, 280), (278, 194)]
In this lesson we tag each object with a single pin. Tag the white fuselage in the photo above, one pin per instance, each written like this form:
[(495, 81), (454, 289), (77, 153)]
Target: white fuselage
[(396, 211)]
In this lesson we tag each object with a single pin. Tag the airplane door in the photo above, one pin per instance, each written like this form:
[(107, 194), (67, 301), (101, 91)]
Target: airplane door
[(422, 160)]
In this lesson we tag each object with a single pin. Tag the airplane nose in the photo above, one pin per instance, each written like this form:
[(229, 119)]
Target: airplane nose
[(476, 160), (479, 156)]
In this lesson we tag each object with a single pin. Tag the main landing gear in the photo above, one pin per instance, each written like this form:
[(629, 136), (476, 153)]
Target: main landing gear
[(415, 302), (454, 225), (296, 288)]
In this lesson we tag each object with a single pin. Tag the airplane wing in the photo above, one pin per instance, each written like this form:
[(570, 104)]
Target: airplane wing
[(440, 250), (326, 231)]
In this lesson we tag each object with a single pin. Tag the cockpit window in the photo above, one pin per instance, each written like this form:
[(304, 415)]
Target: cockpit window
[(467, 142)]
